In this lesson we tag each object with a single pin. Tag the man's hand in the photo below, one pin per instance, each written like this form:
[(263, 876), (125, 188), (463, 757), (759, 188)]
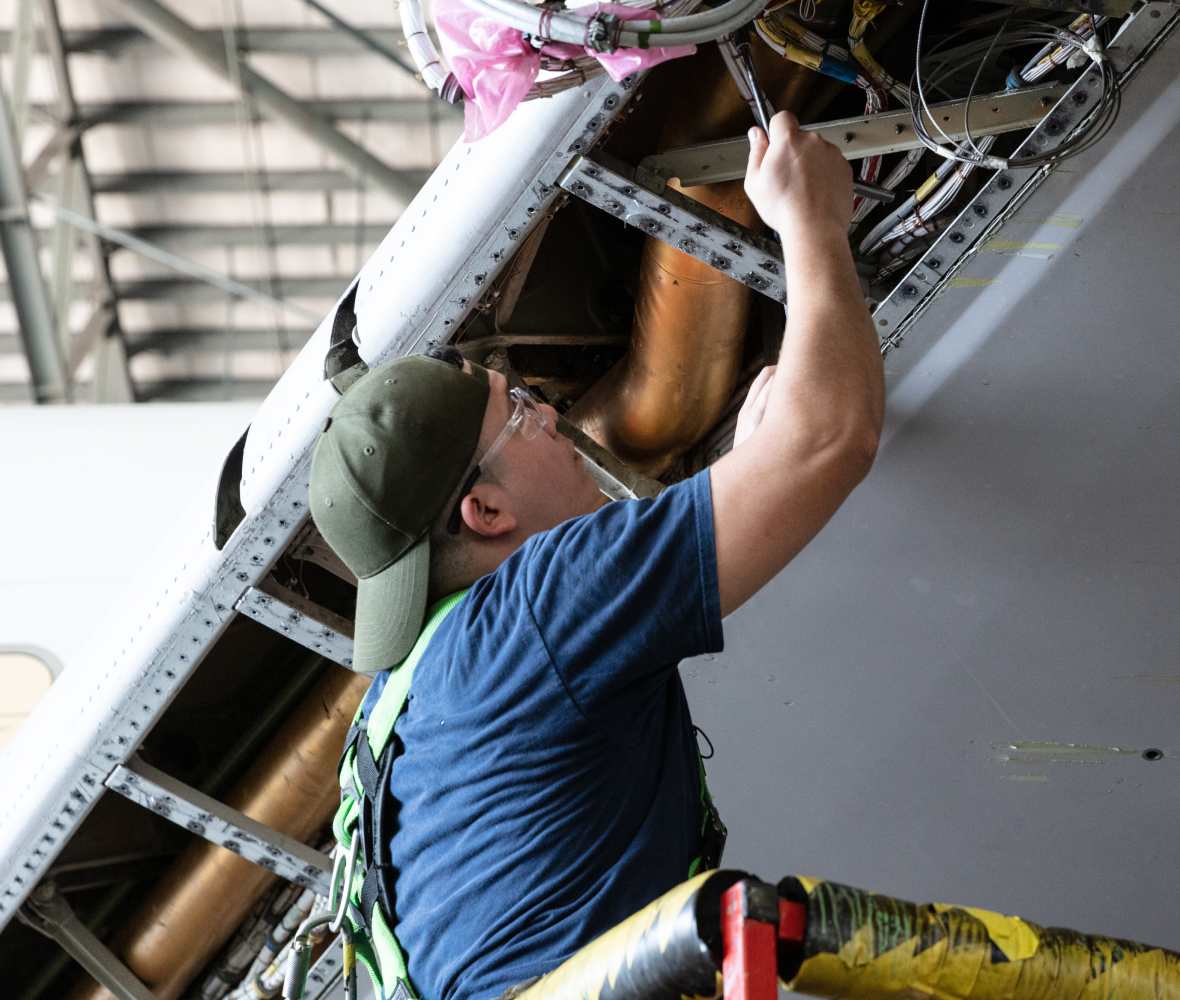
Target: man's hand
[(798, 181)]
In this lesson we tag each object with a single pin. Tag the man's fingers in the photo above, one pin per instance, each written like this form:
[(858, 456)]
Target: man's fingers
[(783, 126), (759, 381), (759, 144)]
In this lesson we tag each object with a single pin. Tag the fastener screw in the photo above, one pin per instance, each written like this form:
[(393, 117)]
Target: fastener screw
[(909, 291), (934, 263), (1046, 101), (980, 210), (898, 128), (957, 237), (849, 136)]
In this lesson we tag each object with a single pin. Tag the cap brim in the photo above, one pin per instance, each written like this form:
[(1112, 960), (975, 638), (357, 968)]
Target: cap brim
[(390, 608)]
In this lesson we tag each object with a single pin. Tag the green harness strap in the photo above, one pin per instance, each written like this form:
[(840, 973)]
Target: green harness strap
[(378, 949)]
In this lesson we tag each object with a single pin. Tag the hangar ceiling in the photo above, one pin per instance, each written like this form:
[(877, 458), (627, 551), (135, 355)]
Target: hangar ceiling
[(174, 154)]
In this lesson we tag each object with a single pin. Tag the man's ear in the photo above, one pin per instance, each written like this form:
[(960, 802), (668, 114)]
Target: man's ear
[(484, 513)]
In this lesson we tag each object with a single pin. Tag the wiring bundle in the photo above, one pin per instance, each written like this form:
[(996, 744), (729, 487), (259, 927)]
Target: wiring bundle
[(1032, 44)]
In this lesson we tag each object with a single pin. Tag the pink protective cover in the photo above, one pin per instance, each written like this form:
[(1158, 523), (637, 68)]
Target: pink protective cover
[(496, 66)]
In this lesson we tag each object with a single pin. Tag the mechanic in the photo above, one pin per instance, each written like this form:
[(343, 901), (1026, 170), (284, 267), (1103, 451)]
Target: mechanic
[(543, 779)]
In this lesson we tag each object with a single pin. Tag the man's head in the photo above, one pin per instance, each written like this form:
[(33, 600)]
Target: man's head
[(388, 474)]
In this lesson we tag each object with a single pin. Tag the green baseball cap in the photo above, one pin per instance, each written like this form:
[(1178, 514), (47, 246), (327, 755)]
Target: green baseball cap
[(387, 460)]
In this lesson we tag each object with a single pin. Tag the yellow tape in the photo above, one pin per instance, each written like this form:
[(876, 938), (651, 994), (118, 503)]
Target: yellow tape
[(928, 185), (877, 948), (804, 57), (1010, 934)]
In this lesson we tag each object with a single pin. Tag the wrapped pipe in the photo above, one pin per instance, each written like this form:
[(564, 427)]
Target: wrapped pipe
[(668, 950), (859, 944)]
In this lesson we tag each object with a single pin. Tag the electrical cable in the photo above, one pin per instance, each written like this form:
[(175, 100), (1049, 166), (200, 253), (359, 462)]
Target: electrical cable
[(1050, 57), (1096, 124), (933, 199)]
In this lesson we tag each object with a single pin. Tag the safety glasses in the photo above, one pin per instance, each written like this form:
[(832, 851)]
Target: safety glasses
[(530, 422)]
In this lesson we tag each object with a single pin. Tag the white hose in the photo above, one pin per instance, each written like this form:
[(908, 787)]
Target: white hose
[(574, 29), (434, 74)]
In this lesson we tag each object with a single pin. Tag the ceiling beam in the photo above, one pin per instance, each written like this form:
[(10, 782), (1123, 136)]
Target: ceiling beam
[(26, 285), (205, 390), (194, 290), (192, 237), (229, 181), (199, 390), (180, 114), (122, 40), (181, 37), (191, 290), (102, 330), (198, 340)]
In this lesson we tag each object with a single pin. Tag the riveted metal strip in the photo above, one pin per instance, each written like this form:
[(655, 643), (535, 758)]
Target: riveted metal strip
[(646, 202), (219, 824), (314, 627)]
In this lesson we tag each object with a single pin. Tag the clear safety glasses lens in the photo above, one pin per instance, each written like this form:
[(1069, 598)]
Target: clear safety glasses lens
[(525, 417)]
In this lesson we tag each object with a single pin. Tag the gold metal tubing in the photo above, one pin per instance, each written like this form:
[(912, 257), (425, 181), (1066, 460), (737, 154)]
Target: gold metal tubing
[(209, 890), (682, 363)]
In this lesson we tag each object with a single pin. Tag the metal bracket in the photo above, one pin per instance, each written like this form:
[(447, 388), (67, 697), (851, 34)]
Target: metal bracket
[(868, 135), (219, 824), (283, 610), (48, 912), (643, 200)]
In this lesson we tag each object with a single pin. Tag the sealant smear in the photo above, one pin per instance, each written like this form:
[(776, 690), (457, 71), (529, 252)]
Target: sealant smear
[(1054, 753)]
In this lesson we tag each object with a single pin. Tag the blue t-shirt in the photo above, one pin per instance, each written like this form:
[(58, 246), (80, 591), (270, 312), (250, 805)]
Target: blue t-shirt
[(549, 785)]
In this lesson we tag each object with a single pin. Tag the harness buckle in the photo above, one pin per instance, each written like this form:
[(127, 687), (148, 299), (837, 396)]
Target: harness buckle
[(340, 906)]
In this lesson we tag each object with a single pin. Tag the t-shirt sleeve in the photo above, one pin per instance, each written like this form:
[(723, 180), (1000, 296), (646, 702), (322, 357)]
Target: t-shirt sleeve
[(620, 596)]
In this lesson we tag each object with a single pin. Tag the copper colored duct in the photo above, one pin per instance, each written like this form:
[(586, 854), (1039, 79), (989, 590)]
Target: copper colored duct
[(690, 320), (208, 891)]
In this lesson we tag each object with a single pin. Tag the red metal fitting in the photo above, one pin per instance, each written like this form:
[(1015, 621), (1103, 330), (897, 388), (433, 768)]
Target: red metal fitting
[(792, 921), (750, 919)]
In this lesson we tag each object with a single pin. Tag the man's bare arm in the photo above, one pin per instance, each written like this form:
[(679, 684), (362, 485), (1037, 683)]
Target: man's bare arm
[(821, 409)]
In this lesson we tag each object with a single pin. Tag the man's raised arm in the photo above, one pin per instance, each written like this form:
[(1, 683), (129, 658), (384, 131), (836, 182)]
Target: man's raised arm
[(817, 417)]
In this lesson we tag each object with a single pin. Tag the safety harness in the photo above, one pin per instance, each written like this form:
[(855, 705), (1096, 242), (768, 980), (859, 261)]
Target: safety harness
[(364, 823)]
